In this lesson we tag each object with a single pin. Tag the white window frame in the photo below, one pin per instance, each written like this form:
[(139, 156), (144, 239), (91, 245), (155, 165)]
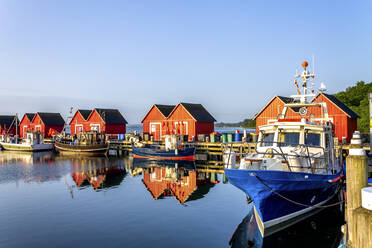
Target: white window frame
[(79, 125), (95, 125), (185, 123)]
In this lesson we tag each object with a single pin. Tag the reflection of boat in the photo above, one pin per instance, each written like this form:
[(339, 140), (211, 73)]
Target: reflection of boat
[(178, 179), (89, 143), (294, 170), (25, 157), (141, 162), (32, 143), (320, 230), (172, 151)]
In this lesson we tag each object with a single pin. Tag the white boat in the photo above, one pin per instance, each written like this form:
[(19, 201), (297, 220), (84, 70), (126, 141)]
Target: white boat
[(294, 171), (32, 143)]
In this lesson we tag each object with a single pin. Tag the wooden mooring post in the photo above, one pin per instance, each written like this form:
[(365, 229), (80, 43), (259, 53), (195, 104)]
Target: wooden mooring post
[(359, 219)]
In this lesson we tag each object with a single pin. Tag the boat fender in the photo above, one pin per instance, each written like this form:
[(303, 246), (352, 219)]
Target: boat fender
[(176, 151)]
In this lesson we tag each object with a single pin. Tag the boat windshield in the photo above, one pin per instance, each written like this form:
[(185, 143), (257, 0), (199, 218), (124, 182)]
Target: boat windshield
[(267, 139), (312, 139), (289, 138)]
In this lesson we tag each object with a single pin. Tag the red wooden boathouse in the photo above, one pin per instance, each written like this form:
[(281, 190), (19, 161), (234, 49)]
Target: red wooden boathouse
[(343, 118), (26, 124), (109, 121), (47, 123), (185, 119), (155, 121), (8, 125), (79, 122)]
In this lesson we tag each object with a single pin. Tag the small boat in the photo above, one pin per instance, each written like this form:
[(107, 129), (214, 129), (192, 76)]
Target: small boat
[(294, 171), (32, 143), (89, 143), (172, 151)]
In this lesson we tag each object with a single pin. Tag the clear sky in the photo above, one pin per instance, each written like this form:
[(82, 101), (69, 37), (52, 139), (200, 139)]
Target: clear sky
[(231, 56)]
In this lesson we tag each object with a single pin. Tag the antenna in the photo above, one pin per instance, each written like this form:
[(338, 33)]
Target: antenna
[(313, 65)]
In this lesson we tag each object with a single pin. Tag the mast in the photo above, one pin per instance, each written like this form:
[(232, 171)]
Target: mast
[(16, 127)]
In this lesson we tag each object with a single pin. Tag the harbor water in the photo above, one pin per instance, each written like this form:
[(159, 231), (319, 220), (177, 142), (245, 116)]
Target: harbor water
[(48, 200)]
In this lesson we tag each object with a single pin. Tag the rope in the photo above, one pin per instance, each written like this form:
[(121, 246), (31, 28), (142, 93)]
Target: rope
[(298, 203)]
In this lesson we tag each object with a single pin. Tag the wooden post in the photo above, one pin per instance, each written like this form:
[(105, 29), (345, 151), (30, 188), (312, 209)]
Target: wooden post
[(356, 179)]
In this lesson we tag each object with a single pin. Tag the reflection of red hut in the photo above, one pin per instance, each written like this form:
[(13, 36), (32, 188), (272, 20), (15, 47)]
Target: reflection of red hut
[(159, 183), (26, 124), (78, 178)]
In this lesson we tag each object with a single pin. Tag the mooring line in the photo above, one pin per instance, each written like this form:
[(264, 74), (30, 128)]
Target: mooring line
[(299, 203)]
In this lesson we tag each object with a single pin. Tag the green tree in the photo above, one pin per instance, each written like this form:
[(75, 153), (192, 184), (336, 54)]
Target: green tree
[(356, 98)]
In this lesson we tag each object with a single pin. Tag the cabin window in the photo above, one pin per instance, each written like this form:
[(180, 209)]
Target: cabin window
[(289, 138), (312, 139), (267, 139)]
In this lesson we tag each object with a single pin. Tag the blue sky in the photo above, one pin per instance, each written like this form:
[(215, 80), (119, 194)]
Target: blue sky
[(231, 56)]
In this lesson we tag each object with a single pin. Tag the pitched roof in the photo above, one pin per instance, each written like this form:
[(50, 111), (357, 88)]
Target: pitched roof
[(7, 120), (341, 105), (30, 116), (111, 116), (85, 113), (198, 112), (165, 109), (286, 99), (282, 98), (51, 119)]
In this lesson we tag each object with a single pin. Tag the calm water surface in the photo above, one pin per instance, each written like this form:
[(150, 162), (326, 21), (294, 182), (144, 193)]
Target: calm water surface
[(53, 201)]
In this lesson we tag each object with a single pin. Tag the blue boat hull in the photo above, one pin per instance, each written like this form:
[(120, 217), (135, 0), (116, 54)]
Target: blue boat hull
[(151, 152), (281, 196)]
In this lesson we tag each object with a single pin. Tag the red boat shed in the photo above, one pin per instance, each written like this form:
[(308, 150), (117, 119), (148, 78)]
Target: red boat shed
[(184, 119), (26, 124), (343, 118), (155, 121), (79, 121), (8, 125), (47, 123), (109, 121)]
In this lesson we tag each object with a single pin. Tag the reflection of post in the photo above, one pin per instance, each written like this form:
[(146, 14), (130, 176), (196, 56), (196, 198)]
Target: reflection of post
[(370, 121)]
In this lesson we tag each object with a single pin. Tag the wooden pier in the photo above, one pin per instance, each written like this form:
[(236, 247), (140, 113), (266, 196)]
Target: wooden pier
[(358, 216)]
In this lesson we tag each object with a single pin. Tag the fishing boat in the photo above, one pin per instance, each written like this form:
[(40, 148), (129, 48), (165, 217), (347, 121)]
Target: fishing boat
[(173, 150), (293, 172), (33, 142), (88, 143)]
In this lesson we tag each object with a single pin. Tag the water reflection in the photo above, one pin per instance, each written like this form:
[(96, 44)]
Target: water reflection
[(180, 179), (25, 158), (99, 172), (320, 230)]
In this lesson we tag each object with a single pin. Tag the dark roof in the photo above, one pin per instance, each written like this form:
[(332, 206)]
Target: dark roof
[(30, 116), (286, 99), (342, 106), (7, 120), (165, 109), (85, 113), (111, 116), (289, 100), (51, 119), (198, 112)]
